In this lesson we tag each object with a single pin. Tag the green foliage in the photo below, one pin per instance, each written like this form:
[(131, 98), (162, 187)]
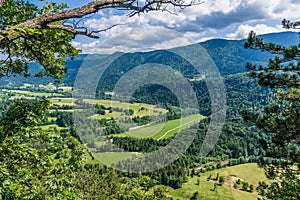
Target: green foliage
[(244, 171), (64, 119), (238, 138), (36, 164), (47, 47), (144, 145), (221, 180), (245, 185), (111, 127), (235, 186), (100, 182), (100, 109), (251, 188), (22, 116), (195, 196), (281, 118), (209, 178), (198, 182), (142, 120), (97, 182)]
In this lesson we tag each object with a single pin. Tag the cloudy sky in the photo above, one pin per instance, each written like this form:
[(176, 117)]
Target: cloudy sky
[(229, 19)]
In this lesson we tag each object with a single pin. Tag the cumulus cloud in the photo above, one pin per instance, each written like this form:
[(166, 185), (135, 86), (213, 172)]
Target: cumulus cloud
[(198, 23), (219, 14), (220, 19), (244, 29), (138, 39)]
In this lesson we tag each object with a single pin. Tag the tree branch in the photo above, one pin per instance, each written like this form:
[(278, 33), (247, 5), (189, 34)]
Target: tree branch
[(76, 30), (61, 27), (45, 20), (2, 2)]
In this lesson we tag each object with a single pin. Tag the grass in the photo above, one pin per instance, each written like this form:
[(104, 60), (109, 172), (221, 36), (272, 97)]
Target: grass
[(59, 100), (116, 115), (136, 107), (90, 160), (109, 158), (71, 110), (16, 97), (246, 172), (52, 119), (65, 88), (62, 101), (204, 189), (51, 126), (27, 85), (166, 130), (34, 94), (249, 172)]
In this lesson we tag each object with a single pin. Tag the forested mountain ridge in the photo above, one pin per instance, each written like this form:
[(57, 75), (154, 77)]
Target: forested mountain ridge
[(230, 57)]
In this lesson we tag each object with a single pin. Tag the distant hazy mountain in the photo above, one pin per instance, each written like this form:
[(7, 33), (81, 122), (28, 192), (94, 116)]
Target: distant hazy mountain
[(229, 56)]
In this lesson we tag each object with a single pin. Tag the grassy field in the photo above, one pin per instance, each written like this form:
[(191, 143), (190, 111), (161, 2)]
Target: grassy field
[(62, 101), (245, 172), (27, 85), (51, 126), (65, 88), (109, 158), (116, 115), (32, 94), (58, 99), (139, 109), (156, 131), (17, 97), (166, 130)]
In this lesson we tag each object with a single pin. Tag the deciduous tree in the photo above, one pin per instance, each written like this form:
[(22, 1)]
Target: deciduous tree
[(36, 164)]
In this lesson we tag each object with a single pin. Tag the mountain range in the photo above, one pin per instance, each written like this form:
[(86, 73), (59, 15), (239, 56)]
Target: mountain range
[(230, 57)]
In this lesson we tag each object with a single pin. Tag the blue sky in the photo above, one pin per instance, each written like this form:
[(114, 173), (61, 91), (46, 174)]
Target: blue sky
[(229, 19)]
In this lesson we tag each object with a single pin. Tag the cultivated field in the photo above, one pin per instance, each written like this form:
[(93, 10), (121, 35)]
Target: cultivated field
[(163, 130), (32, 94), (140, 109), (109, 158)]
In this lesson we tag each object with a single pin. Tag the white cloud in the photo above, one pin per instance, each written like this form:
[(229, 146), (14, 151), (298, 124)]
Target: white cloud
[(213, 18), (138, 39), (244, 29), (205, 39)]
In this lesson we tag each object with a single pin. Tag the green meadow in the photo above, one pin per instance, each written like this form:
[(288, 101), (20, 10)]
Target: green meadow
[(246, 172), (163, 130)]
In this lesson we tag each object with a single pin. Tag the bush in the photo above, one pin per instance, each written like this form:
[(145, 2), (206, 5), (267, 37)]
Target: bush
[(221, 180)]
